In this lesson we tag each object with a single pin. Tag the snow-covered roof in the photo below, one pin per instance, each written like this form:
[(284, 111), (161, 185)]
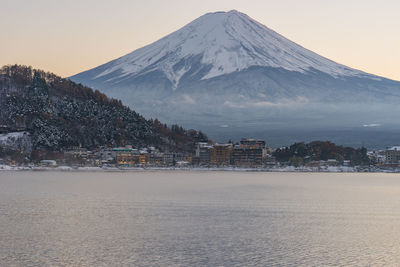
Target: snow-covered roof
[(394, 148)]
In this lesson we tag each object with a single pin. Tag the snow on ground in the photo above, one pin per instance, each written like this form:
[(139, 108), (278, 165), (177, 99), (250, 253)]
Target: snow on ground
[(6, 168), (16, 141), (9, 137)]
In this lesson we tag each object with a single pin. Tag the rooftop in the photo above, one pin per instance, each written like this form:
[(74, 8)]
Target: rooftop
[(394, 148)]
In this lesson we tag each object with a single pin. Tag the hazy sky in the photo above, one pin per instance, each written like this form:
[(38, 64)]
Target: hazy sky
[(67, 37)]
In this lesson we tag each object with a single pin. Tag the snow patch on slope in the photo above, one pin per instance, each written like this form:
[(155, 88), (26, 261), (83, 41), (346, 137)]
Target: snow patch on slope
[(16, 141)]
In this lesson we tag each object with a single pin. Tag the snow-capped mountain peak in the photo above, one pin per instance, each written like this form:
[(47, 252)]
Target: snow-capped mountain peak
[(225, 42), (225, 68)]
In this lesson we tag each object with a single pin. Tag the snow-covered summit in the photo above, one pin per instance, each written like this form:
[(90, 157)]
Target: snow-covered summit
[(226, 42)]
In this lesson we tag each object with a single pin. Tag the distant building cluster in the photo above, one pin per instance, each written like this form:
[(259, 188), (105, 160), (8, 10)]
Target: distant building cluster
[(125, 157), (246, 153), (386, 158)]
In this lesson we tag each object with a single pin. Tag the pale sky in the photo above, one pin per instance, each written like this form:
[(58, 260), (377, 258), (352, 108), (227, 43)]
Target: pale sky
[(70, 36)]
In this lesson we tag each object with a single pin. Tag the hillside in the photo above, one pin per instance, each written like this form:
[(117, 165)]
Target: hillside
[(57, 113)]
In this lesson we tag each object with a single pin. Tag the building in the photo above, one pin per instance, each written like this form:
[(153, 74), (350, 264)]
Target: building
[(106, 155), (77, 156), (142, 159), (189, 159), (377, 156), (124, 156), (270, 161), (179, 157), (252, 144), (48, 163), (156, 159), (332, 162), (168, 158), (247, 157), (203, 153), (127, 156), (220, 154), (393, 155), (249, 153)]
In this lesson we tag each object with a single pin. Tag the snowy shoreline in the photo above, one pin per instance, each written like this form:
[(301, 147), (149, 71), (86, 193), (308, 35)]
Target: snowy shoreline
[(331, 169)]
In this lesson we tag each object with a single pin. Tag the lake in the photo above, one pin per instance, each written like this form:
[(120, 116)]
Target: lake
[(184, 218)]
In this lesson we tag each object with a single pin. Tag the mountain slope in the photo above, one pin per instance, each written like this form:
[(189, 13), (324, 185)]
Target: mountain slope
[(56, 114), (227, 72)]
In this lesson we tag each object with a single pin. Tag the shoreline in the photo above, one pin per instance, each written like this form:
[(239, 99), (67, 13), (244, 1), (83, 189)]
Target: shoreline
[(331, 169)]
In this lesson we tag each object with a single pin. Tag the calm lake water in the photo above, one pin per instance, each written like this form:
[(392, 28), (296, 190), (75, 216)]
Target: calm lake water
[(199, 219)]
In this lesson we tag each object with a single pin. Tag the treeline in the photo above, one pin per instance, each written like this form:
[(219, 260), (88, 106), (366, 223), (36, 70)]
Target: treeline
[(59, 114), (300, 154)]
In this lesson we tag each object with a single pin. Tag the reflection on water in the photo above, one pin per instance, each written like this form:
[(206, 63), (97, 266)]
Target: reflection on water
[(198, 219)]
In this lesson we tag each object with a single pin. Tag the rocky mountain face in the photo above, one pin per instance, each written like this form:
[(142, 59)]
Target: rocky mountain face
[(56, 113), (232, 76)]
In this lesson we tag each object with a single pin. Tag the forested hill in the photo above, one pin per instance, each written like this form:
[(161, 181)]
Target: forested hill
[(58, 113)]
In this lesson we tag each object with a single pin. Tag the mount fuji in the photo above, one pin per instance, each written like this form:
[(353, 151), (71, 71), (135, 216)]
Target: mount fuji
[(230, 76)]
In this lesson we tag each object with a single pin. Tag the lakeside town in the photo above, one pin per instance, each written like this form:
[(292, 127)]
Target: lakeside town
[(48, 122), (246, 154)]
